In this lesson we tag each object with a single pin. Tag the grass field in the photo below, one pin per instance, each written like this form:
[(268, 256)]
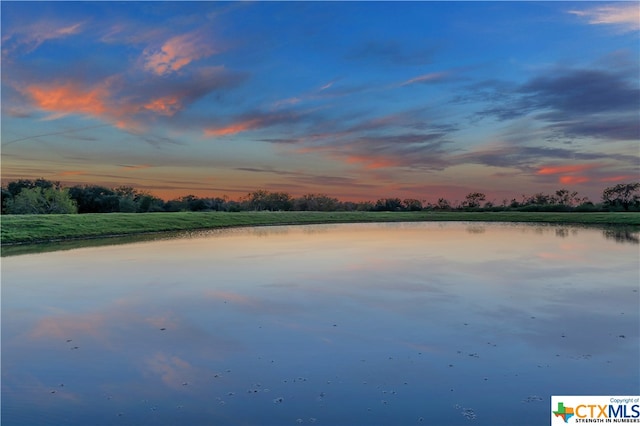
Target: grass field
[(21, 229)]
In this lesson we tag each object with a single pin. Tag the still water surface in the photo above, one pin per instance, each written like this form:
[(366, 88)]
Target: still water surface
[(398, 324)]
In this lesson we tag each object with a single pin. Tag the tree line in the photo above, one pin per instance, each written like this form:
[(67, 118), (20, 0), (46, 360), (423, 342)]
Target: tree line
[(41, 196)]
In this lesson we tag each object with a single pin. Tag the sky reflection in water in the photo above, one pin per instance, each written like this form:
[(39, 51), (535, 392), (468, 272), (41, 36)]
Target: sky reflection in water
[(430, 323)]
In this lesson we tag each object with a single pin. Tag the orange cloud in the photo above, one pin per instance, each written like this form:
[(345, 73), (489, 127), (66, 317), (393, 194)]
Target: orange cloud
[(178, 52), (370, 162), (573, 179), (69, 98), (619, 178), (555, 170), (234, 128), (164, 106)]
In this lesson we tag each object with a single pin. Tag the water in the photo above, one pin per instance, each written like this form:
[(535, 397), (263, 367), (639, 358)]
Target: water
[(428, 323)]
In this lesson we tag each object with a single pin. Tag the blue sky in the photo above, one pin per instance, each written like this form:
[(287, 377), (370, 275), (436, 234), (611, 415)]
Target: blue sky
[(358, 100)]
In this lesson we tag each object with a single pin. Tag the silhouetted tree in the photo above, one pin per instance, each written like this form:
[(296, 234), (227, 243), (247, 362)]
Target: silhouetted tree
[(412, 204), (473, 200), (315, 202), (442, 204), (16, 186), (95, 199), (623, 195), (388, 204)]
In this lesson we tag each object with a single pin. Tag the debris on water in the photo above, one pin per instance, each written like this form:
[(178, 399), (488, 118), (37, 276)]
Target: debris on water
[(622, 336), (299, 421), (450, 365), (184, 383), (468, 413), (420, 419), (162, 329), (69, 340), (474, 355), (53, 391), (312, 420), (278, 400), (384, 402)]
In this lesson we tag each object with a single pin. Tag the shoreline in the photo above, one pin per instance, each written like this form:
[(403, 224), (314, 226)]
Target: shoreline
[(43, 229)]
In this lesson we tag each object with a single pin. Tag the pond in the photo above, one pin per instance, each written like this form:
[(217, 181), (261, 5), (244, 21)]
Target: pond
[(359, 324)]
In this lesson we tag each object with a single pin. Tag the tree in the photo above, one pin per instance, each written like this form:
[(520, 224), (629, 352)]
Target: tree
[(95, 199), (442, 204), (149, 203), (6, 197), (18, 185), (474, 199), (316, 202), (622, 195), (42, 201), (388, 204), (265, 200), (412, 204)]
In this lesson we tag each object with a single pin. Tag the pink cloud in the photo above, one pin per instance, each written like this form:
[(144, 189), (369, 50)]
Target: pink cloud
[(626, 15), (568, 174), (168, 105), (573, 179), (69, 98), (234, 128), (573, 168), (178, 52)]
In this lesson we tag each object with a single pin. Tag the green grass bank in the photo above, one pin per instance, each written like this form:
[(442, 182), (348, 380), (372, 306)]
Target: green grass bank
[(28, 229)]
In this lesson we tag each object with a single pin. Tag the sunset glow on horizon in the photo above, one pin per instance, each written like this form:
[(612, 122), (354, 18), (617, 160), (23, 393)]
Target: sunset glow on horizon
[(357, 100)]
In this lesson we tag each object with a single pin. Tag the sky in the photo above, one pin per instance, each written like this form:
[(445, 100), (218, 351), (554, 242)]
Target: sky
[(357, 100)]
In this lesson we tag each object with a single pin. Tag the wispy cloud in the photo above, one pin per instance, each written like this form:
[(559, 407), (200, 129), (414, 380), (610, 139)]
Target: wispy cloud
[(625, 16), (434, 77), (571, 174), (28, 38), (134, 166), (573, 168), (178, 52), (253, 121), (573, 102)]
